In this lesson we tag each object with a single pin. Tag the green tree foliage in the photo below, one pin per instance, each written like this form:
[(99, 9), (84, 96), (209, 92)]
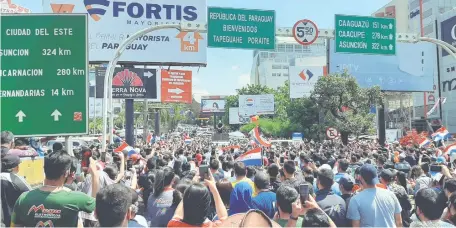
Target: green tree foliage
[(344, 104), (270, 127)]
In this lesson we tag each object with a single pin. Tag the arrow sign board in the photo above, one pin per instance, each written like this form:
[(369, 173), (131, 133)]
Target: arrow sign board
[(331, 133), (365, 35), (305, 32), (43, 68), (241, 28), (176, 86)]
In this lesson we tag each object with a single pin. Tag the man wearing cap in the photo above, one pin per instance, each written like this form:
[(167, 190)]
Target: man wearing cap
[(373, 206), (346, 184), (387, 178), (13, 185)]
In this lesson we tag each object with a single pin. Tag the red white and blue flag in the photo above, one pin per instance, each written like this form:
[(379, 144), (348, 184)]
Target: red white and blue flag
[(424, 142), (450, 149), (441, 134), (125, 146), (258, 138), (251, 158)]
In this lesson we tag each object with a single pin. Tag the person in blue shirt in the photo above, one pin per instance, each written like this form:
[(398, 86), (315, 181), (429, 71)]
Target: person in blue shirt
[(266, 199)]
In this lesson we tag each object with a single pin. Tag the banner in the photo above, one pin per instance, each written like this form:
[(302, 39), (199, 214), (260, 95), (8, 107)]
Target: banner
[(111, 22), (235, 118), (303, 79), (212, 105), (7, 6), (129, 83), (448, 32), (176, 86), (411, 69), (250, 105)]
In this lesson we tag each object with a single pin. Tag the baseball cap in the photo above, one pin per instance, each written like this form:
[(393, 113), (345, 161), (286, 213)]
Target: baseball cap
[(10, 161), (440, 159), (387, 174), (346, 181), (369, 173), (199, 157)]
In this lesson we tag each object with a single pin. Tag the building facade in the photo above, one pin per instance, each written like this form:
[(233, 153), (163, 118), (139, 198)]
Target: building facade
[(270, 68), (397, 9), (424, 19)]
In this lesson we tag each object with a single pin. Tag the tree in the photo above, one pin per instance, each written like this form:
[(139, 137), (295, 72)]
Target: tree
[(305, 116), (344, 104)]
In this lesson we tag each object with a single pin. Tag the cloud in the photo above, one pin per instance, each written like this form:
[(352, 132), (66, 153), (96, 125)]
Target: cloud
[(235, 67), (198, 93), (243, 80)]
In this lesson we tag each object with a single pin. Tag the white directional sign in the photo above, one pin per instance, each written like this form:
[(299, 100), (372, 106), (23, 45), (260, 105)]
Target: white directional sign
[(305, 32), (56, 115), (331, 133), (149, 73), (20, 116)]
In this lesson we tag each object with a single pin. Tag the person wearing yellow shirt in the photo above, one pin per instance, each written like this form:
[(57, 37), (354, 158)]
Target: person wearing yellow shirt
[(240, 173)]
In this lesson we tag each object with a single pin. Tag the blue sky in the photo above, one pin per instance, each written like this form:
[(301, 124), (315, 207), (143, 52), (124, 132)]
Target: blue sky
[(229, 69)]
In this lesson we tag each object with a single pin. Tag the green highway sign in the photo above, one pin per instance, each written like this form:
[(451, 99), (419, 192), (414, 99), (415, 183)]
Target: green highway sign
[(241, 28), (365, 35), (43, 73)]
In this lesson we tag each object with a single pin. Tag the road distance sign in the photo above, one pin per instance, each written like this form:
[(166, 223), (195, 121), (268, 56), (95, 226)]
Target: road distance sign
[(365, 35), (305, 32), (331, 133), (44, 74), (241, 28)]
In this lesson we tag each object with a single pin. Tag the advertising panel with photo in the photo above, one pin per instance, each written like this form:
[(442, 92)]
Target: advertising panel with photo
[(250, 105), (112, 22), (212, 105), (412, 69), (303, 79), (235, 118)]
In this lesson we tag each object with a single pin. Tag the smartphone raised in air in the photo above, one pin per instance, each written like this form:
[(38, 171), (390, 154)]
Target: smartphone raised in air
[(304, 192), (204, 172)]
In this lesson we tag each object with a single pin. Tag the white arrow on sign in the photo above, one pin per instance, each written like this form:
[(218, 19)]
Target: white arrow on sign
[(148, 74), (391, 26), (391, 47), (391, 36), (176, 91), (56, 115), (20, 116)]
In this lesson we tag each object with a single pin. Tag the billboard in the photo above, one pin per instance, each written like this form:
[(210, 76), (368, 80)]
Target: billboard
[(213, 104), (8, 6), (111, 22), (235, 118), (411, 69), (129, 83), (176, 86), (303, 79), (448, 32), (250, 105)]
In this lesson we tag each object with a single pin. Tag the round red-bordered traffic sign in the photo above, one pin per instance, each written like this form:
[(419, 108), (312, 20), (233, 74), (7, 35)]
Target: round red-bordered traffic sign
[(332, 133), (309, 31)]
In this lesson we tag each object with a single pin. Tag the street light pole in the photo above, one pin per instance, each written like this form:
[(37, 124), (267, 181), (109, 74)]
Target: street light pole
[(183, 26)]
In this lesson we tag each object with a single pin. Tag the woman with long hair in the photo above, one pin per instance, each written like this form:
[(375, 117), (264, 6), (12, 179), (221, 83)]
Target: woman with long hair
[(161, 205), (196, 205)]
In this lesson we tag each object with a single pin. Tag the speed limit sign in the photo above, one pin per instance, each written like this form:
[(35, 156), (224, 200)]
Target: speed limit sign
[(305, 32)]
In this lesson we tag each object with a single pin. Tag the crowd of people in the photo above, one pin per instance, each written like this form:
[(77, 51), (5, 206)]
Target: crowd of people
[(172, 183)]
